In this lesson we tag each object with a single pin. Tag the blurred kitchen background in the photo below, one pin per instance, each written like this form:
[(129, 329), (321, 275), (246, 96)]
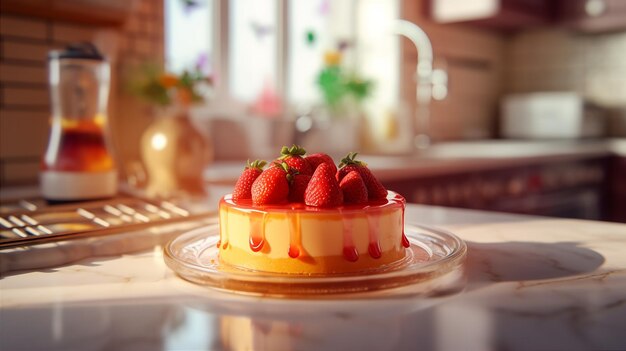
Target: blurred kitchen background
[(520, 107)]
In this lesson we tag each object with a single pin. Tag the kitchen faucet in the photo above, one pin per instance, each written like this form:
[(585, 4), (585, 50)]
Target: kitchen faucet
[(430, 83)]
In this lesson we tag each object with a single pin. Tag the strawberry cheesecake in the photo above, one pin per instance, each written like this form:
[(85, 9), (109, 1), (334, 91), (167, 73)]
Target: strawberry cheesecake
[(302, 215)]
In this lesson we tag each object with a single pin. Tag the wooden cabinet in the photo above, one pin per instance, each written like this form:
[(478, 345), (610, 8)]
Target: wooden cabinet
[(510, 15), (573, 189), (493, 14), (616, 189)]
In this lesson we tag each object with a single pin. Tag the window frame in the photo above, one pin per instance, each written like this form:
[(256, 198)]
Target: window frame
[(220, 54), (221, 51)]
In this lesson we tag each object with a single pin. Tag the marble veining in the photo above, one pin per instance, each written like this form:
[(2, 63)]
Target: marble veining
[(596, 277), (533, 284)]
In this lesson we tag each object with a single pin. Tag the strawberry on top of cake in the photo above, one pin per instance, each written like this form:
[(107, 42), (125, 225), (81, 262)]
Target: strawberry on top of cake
[(302, 214)]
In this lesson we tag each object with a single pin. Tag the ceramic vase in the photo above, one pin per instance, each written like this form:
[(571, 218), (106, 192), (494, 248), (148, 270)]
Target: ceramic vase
[(175, 155)]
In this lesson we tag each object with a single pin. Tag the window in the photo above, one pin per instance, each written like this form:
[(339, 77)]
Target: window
[(252, 44), (378, 53), (188, 33), (278, 46), (310, 35)]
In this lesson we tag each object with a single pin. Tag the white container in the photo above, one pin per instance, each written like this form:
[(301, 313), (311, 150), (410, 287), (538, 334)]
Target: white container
[(550, 115)]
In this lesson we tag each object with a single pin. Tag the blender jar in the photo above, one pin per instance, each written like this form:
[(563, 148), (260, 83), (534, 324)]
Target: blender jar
[(78, 163)]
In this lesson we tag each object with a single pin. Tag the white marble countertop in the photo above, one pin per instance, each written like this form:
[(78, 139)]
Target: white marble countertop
[(454, 157), (533, 284)]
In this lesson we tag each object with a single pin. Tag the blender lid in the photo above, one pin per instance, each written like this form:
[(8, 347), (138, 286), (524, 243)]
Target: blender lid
[(84, 50)]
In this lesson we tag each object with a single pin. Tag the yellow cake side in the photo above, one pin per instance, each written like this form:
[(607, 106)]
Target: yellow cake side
[(319, 242)]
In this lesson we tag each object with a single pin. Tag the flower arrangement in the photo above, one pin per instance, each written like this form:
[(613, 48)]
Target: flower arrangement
[(337, 85), (164, 88)]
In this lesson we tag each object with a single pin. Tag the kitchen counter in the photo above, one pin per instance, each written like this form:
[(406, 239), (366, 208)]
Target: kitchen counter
[(532, 283), (456, 157)]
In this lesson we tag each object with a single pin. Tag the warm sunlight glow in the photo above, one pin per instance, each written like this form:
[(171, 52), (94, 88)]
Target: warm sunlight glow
[(159, 141)]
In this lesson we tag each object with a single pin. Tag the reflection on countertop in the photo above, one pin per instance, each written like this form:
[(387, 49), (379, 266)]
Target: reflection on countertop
[(533, 283)]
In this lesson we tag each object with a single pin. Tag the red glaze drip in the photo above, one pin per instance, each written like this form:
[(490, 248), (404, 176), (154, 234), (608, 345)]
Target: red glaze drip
[(294, 252), (374, 246), (223, 241), (405, 240), (374, 249), (220, 226), (295, 235), (256, 243), (257, 231), (350, 253)]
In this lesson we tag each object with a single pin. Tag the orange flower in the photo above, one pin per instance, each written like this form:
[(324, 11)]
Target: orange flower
[(168, 80), (332, 58), (184, 97)]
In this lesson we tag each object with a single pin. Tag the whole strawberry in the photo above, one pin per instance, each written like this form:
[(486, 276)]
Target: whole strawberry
[(272, 186), (375, 190), (243, 187), (323, 189), (297, 187), (353, 188), (293, 157), (316, 159)]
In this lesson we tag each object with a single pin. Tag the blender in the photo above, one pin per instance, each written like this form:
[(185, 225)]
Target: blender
[(78, 163)]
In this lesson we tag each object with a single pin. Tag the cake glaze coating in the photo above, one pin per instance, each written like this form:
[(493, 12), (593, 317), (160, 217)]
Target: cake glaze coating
[(299, 239)]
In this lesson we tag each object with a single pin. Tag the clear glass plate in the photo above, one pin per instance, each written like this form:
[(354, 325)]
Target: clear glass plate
[(434, 266)]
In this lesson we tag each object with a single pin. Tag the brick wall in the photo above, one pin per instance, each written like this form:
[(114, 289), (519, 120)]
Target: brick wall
[(555, 60), (593, 65), (24, 101)]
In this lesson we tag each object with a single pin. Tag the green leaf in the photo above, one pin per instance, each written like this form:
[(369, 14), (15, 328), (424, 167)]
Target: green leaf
[(310, 37), (359, 88), (350, 159), (294, 150), (256, 164), (332, 85)]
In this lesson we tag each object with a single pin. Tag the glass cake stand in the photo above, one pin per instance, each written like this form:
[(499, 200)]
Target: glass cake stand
[(433, 266)]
